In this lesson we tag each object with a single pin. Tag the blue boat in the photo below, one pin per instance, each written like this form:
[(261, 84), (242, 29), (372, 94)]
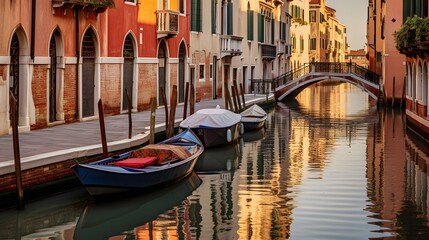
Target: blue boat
[(150, 166)]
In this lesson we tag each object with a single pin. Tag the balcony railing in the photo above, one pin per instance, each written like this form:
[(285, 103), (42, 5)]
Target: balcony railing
[(231, 45), (98, 6), (167, 23), (268, 51)]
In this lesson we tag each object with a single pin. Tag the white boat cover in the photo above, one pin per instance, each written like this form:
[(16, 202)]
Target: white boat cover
[(254, 111), (211, 118)]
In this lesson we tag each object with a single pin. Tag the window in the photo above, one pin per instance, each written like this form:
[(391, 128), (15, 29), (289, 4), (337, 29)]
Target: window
[(249, 23), (211, 71), (313, 44), (196, 15), (202, 72), (130, 1), (283, 31), (182, 6), (313, 16), (214, 16)]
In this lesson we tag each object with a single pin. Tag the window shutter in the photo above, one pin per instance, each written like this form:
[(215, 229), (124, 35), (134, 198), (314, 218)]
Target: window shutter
[(260, 28), (249, 25), (199, 29), (213, 17), (230, 19), (272, 31)]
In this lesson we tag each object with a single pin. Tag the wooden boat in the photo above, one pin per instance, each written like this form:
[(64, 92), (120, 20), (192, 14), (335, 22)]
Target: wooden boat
[(107, 219), (214, 126), (253, 118), (147, 167)]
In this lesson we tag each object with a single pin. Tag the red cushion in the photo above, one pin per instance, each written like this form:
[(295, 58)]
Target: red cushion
[(136, 162)]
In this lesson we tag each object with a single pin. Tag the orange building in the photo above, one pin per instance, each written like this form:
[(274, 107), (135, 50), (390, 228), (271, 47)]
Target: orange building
[(60, 57), (384, 18)]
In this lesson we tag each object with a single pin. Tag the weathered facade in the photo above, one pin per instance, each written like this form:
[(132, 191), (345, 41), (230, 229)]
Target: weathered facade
[(412, 41), (60, 57)]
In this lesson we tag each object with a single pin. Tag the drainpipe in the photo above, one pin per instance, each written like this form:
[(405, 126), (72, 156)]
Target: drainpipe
[(33, 28), (375, 36), (76, 114)]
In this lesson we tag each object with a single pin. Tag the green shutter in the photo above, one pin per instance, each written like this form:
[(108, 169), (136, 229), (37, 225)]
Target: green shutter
[(272, 31), (418, 8), (260, 28), (199, 29), (230, 19), (213, 17), (250, 25)]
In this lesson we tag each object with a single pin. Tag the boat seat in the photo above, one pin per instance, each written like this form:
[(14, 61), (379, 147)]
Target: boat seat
[(163, 152), (136, 162)]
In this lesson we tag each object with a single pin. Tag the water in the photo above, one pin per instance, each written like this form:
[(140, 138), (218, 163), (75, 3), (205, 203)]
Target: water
[(328, 166)]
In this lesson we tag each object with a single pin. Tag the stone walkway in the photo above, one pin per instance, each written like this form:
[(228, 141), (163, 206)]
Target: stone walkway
[(70, 141)]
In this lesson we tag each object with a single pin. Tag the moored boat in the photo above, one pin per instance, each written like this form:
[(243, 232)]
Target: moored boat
[(150, 166), (214, 126), (253, 118)]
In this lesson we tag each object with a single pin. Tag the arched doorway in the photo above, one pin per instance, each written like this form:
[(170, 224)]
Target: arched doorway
[(162, 73), (182, 64), (128, 72), (88, 70), (14, 72), (56, 78)]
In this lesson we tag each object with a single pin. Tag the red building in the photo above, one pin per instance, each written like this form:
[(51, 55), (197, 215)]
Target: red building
[(59, 57)]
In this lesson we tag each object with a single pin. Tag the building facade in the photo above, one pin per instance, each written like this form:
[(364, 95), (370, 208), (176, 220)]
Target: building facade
[(412, 41), (299, 33), (58, 58)]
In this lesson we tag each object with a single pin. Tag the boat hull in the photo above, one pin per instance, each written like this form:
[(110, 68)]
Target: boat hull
[(103, 177), (213, 137), (252, 124)]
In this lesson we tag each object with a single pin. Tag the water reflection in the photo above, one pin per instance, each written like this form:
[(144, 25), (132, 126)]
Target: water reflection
[(133, 217), (328, 166)]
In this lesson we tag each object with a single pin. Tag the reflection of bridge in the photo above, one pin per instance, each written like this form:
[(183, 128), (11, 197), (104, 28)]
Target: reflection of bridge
[(293, 82)]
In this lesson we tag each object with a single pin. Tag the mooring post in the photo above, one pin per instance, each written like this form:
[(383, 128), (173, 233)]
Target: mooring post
[(164, 100), (242, 96), (173, 104), (102, 128), (152, 121), (185, 104), (393, 92), (192, 99), (16, 150), (130, 121), (237, 95)]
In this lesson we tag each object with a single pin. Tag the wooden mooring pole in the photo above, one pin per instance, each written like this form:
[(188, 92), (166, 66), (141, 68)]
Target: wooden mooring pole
[(173, 104), (130, 121), (237, 95), (185, 104), (152, 121), (242, 96), (164, 100), (16, 151), (102, 128), (191, 99)]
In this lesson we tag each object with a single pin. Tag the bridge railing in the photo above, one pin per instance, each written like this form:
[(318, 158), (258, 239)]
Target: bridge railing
[(327, 67)]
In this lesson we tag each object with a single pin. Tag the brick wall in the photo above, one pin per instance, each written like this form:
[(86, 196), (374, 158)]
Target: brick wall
[(110, 88), (173, 77), (38, 86), (70, 93), (147, 84)]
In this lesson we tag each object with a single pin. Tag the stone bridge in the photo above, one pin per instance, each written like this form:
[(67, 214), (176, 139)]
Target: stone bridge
[(292, 83)]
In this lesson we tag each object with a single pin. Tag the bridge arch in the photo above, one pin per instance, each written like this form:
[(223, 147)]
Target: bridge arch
[(293, 82), (295, 90)]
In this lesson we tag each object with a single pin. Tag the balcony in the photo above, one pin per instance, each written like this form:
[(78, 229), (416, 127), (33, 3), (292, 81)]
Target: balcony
[(167, 23), (97, 6), (288, 51), (230, 45), (278, 2), (268, 51)]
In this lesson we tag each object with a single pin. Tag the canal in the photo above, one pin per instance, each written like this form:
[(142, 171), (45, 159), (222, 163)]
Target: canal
[(328, 166)]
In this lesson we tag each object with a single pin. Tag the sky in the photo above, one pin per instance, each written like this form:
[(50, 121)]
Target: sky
[(353, 14)]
